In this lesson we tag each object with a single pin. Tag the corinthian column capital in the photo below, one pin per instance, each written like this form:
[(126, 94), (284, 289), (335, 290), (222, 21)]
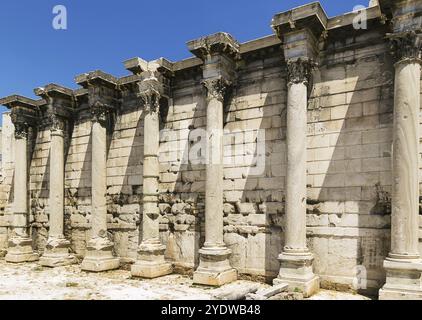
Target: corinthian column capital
[(57, 124), (150, 95), (99, 112), (216, 88), (299, 71), (20, 123), (406, 46)]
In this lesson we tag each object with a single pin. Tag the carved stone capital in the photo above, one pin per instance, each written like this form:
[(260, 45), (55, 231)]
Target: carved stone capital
[(149, 92), (99, 112), (216, 88), (406, 46), (20, 123), (299, 71), (57, 124)]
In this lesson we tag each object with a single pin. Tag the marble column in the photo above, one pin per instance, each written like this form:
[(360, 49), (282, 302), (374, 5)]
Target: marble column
[(404, 265), (20, 244), (99, 256), (214, 268), (57, 250), (151, 262), (296, 259)]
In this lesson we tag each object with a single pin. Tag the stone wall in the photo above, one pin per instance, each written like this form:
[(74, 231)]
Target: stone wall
[(350, 119)]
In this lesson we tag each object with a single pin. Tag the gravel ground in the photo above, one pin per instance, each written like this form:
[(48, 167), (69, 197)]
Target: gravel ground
[(32, 282)]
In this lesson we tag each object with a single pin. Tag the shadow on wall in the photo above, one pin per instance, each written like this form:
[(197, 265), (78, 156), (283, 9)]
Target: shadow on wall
[(182, 183), (39, 176), (349, 170), (124, 190), (254, 199)]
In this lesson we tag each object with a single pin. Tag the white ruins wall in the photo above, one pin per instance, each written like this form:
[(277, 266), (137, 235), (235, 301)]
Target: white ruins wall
[(349, 154)]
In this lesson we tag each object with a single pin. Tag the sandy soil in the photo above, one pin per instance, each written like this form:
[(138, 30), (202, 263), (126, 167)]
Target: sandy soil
[(32, 282)]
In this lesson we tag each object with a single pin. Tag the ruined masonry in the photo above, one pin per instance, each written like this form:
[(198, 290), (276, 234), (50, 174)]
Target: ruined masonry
[(99, 176)]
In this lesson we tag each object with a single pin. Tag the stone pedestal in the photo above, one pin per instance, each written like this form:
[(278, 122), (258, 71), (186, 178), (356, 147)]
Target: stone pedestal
[(99, 255), (214, 267), (296, 271), (151, 262), (57, 251), (404, 265), (20, 250), (296, 260), (20, 244)]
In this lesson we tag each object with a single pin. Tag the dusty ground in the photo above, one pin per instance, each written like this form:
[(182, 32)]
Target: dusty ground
[(32, 282)]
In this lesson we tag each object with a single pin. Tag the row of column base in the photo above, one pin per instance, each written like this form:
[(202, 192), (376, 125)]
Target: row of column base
[(403, 281)]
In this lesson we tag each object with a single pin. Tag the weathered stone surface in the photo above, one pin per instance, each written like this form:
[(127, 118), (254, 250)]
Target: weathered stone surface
[(329, 193)]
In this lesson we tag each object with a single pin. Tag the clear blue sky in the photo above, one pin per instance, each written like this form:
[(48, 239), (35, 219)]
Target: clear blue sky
[(102, 34)]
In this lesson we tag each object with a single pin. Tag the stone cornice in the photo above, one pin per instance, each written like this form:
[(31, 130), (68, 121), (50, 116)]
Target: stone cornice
[(54, 89), (17, 100), (136, 65), (311, 16), (218, 43), (102, 91), (24, 113), (96, 77), (156, 73), (59, 102)]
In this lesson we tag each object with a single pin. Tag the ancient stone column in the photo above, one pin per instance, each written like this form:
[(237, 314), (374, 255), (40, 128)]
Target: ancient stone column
[(99, 256), (404, 265), (57, 250), (214, 268), (296, 259), (151, 262), (20, 243)]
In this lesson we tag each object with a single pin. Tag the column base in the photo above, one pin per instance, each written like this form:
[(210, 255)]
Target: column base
[(214, 268), (99, 256), (404, 280), (151, 262), (20, 250), (57, 254), (296, 271)]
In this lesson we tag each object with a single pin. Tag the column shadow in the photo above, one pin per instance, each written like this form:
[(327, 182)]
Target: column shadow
[(349, 165)]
